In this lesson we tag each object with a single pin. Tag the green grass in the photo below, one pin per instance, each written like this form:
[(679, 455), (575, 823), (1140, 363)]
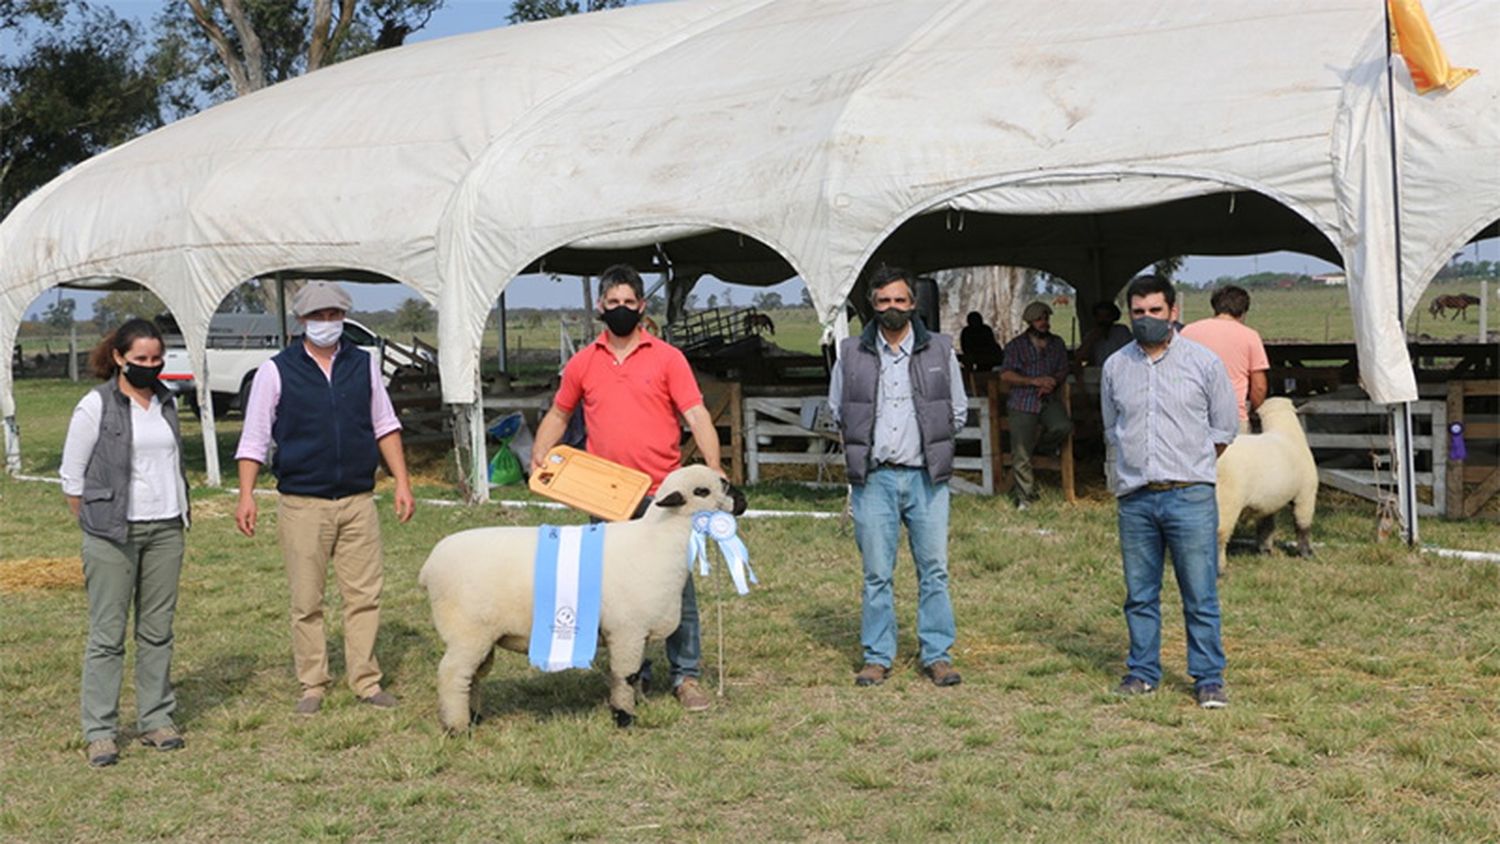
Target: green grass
[(1364, 684)]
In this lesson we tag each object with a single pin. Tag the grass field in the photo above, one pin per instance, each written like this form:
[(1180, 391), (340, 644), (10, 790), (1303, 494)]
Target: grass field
[(1365, 684)]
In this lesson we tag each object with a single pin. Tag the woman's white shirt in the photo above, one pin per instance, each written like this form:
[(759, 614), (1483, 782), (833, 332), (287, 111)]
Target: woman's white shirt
[(156, 489)]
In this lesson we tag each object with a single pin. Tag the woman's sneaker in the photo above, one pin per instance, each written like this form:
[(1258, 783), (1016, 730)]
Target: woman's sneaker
[(164, 738), (103, 752)]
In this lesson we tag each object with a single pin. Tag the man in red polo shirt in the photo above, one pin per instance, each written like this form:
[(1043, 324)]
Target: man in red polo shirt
[(633, 387)]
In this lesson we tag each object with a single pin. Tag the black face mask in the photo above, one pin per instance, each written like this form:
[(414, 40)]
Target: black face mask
[(142, 377), (894, 319), (621, 320)]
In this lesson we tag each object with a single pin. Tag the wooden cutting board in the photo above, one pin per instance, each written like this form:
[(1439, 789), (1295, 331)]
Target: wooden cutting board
[(592, 484)]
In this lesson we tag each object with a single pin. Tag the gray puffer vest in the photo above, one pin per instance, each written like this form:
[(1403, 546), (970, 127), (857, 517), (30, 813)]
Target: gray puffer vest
[(931, 386), (106, 481)]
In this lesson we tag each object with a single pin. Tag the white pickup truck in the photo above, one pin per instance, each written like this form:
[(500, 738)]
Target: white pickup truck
[(237, 345)]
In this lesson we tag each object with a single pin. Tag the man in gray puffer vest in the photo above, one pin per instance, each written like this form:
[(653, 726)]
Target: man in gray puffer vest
[(897, 395)]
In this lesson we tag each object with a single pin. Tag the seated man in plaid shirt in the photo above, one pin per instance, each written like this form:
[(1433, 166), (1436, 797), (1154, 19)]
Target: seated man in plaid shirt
[(1036, 365)]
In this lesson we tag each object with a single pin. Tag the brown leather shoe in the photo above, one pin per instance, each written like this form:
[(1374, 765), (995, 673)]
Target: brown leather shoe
[(871, 675), (691, 696), (942, 674)]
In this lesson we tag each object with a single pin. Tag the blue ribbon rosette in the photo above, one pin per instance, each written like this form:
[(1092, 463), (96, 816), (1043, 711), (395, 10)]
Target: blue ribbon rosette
[(721, 527)]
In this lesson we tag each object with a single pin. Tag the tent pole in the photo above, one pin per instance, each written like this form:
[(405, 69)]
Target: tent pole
[(479, 471), (12, 446), (210, 434), (281, 309), (1406, 456), (500, 333)]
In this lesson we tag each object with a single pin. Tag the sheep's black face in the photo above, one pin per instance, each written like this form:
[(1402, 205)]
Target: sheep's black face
[(698, 488), (735, 496)]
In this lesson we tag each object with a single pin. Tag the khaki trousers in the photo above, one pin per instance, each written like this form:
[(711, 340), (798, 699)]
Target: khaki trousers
[(347, 531)]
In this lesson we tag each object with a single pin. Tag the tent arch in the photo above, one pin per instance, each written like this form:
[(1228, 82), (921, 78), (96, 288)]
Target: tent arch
[(459, 368), (16, 301), (1188, 177)]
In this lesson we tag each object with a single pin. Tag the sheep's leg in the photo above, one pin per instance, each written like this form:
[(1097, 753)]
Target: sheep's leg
[(476, 710), (625, 654), (1227, 520), (455, 678), (1302, 513), (1264, 528)]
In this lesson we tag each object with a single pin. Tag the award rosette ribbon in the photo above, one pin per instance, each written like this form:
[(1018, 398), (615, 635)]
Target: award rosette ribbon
[(721, 527)]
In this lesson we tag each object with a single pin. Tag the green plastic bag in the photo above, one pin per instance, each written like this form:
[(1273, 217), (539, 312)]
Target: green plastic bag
[(505, 469)]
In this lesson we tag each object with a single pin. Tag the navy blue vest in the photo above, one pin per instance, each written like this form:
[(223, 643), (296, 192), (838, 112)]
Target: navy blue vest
[(325, 439)]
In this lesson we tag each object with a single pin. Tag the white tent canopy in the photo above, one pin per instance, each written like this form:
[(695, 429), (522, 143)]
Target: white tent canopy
[(764, 138)]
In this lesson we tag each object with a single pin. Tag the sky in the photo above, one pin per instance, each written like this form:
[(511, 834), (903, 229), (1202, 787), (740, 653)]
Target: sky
[(462, 16)]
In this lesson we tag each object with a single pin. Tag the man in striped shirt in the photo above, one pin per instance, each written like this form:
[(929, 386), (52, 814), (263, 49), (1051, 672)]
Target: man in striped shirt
[(1169, 411)]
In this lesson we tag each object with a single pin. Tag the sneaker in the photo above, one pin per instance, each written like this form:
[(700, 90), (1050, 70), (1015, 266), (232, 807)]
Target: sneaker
[(691, 696), (309, 705), (871, 675), (164, 738), (1212, 696), (102, 753), (1132, 685), (942, 674), (380, 700)]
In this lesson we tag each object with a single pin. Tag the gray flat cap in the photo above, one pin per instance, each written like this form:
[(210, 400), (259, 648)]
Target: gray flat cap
[(317, 295)]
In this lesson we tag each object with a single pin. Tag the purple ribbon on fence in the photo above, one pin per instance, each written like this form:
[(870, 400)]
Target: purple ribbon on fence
[(1457, 451)]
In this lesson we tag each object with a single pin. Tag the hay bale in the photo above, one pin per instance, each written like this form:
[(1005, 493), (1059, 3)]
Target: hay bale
[(37, 573)]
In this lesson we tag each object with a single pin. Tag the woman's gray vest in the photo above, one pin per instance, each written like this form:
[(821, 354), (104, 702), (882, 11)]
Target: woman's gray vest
[(932, 396), (106, 481)]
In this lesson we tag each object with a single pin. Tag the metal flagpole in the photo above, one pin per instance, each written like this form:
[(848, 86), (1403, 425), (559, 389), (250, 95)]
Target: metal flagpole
[(1405, 454)]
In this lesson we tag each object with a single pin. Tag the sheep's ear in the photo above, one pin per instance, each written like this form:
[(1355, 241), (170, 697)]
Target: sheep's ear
[(673, 500)]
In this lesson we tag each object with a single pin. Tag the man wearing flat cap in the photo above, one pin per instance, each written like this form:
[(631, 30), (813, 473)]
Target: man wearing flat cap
[(323, 403), (1035, 368)]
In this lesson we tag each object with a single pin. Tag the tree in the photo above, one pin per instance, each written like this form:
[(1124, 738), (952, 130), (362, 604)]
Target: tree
[(997, 293), (767, 300), (713, 301), (78, 90), (525, 11), (126, 304), (59, 314), (214, 50), (1167, 267), (414, 315), (807, 299)]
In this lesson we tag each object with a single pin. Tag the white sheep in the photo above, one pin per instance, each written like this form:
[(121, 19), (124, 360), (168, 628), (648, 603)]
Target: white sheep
[(480, 585), (1262, 473)]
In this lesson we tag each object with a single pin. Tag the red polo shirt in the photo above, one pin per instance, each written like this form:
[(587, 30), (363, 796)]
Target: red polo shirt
[(631, 407)]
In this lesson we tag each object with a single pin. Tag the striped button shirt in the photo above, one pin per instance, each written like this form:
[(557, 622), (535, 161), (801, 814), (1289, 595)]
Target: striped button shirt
[(1163, 417)]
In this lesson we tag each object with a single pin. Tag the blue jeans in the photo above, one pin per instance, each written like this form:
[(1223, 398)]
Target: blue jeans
[(889, 498), (1185, 520)]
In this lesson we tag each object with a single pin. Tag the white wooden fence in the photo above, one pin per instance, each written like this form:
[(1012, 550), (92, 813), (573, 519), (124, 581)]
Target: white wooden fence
[(1367, 483)]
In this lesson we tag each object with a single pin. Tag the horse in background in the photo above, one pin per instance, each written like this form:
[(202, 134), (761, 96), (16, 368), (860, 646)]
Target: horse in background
[(759, 323), (1459, 304)]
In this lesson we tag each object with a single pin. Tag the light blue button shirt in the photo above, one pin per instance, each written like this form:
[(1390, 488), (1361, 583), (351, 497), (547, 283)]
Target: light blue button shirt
[(1164, 416), (897, 438)]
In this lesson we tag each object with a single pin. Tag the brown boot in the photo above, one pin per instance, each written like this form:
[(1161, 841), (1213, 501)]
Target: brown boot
[(943, 674), (871, 675), (691, 696)]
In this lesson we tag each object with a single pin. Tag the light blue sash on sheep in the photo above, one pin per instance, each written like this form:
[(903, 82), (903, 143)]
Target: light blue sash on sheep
[(566, 587)]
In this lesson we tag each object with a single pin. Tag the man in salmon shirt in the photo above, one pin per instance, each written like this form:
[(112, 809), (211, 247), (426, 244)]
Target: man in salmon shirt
[(634, 387), (1238, 345)]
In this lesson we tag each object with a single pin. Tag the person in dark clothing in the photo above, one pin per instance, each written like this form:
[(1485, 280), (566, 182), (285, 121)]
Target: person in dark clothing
[(978, 345)]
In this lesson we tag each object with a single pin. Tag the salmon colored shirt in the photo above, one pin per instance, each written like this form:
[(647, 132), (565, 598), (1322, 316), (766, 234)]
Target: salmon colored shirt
[(1239, 346), (631, 407)]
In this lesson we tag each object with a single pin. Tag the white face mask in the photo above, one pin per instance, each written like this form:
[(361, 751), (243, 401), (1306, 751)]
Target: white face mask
[(325, 334)]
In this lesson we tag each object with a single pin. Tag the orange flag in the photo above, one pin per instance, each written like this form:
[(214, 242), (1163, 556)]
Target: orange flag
[(1412, 37)]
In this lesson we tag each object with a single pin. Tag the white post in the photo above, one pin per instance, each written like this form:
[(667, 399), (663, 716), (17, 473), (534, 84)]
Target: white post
[(1406, 484), (73, 352), (479, 486), (210, 435), (12, 446), (1484, 311)]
